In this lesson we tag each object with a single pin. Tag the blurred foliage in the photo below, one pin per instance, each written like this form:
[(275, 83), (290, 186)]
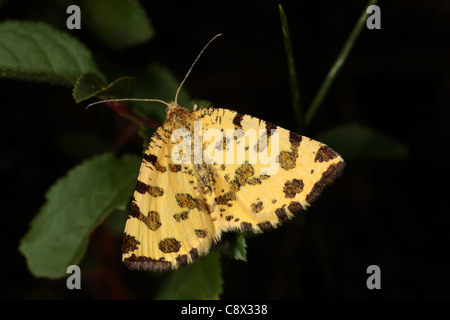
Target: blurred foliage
[(117, 23), (75, 205), (199, 280), (355, 141), (89, 85), (37, 51)]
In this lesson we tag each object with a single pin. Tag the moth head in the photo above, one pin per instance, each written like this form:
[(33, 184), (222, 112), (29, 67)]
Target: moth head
[(172, 106)]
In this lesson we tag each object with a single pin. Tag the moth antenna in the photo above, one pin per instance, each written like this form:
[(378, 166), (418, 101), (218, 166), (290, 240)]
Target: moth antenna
[(129, 99), (190, 69)]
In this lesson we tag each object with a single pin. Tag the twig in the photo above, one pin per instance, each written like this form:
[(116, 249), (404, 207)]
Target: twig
[(123, 110)]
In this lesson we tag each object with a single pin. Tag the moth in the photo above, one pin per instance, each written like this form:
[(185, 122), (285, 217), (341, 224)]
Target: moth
[(210, 171)]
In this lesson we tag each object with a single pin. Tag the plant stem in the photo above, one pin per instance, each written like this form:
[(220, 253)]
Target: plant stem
[(291, 69), (321, 93), (122, 110)]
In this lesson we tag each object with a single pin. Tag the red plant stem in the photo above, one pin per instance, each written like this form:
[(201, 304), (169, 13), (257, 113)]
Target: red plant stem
[(121, 109)]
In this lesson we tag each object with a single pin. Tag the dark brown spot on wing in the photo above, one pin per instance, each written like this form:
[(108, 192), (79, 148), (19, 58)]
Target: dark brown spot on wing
[(201, 205), (292, 187), (242, 176), (146, 263), (152, 220), (185, 200), (174, 167), (181, 216), (265, 226), (295, 139), (141, 187), (325, 154), (225, 198), (193, 253), (134, 211), (237, 119), (181, 260), (287, 160), (295, 207), (328, 177), (269, 128), (246, 226), (154, 191), (281, 214), (151, 158), (129, 243), (254, 181), (244, 172), (201, 233), (257, 207), (169, 245)]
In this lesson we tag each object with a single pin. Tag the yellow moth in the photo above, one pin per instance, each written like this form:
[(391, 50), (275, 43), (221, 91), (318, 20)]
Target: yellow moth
[(214, 170)]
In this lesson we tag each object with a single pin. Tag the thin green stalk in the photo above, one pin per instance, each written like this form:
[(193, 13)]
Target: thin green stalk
[(321, 93), (291, 68)]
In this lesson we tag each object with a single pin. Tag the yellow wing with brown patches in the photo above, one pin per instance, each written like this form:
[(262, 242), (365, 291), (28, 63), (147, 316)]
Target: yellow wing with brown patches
[(249, 175), (169, 224), (256, 196)]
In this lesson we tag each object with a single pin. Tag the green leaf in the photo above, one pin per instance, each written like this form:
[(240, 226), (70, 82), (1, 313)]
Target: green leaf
[(356, 141), (295, 93), (74, 206), (338, 63), (234, 246), (38, 52), (117, 23), (89, 85), (199, 280)]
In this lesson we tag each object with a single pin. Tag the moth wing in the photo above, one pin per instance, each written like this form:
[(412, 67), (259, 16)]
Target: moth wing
[(169, 224), (282, 173)]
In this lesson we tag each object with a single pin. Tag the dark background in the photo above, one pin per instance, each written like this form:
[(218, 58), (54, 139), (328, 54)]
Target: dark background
[(391, 213)]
